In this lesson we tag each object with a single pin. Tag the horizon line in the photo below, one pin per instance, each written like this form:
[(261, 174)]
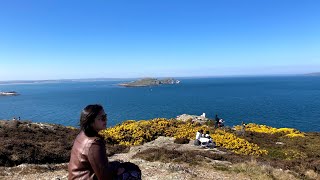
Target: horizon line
[(141, 77)]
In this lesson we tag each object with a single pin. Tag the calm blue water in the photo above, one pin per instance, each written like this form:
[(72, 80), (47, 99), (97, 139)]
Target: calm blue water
[(276, 101)]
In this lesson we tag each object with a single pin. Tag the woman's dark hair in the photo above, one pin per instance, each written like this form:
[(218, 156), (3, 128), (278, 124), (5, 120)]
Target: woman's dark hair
[(87, 117)]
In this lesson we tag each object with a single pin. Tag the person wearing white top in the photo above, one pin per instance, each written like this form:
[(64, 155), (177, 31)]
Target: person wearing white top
[(207, 141), (221, 123), (199, 134)]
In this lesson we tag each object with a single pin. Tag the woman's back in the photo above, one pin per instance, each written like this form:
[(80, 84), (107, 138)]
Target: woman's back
[(88, 159)]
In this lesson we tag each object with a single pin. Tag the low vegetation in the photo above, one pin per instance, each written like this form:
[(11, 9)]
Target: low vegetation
[(281, 148), (284, 148), (26, 142), (36, 143), (139, 132)]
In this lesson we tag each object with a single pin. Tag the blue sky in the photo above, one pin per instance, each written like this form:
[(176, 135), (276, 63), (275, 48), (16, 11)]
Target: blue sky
[(58, 39)]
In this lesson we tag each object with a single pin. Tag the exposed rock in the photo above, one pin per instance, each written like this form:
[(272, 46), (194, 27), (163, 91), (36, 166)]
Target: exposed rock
[(193, 118), (164, 142)]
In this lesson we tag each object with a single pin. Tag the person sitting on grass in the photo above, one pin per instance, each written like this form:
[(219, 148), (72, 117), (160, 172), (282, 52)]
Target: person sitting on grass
[(88, 158), (209, 142), (199, 134), (207, 135)]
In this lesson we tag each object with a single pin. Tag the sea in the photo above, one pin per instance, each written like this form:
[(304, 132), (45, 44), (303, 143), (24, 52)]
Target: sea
[(278, 101)]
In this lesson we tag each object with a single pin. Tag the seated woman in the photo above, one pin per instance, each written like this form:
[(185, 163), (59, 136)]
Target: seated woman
[(88, 155), (207, 141), (199, 134)]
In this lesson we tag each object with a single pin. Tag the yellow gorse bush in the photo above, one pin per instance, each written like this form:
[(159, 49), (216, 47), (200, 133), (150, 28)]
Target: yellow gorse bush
[(236, 144), (288, 132), (138, 132)]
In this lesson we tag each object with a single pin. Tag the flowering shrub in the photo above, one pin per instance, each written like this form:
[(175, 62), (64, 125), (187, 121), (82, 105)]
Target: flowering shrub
[(139, 132), (287, 132), (235, 144)]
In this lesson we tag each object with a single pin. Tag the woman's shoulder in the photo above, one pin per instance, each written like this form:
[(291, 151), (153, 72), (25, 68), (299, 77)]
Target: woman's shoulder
[(98, 139), (90, 139)]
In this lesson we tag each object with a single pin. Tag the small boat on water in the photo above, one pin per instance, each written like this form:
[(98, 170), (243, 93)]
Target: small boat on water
[(9, 93)]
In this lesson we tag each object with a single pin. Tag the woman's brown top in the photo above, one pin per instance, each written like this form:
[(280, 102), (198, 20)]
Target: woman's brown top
[(88, 159)]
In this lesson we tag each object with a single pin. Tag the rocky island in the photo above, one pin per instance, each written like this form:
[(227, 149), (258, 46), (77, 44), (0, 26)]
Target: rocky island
[(149, 82), (9, 93)]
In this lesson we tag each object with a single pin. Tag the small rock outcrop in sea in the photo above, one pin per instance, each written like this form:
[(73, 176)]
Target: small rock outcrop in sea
[(9, 93), (149, 82)]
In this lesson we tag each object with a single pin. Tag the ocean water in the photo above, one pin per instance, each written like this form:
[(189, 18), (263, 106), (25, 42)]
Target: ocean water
[(275, 101)]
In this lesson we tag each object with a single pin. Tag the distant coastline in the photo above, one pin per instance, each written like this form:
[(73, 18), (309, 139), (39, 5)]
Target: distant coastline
[(7, 82), (61, 81), (313, 74)]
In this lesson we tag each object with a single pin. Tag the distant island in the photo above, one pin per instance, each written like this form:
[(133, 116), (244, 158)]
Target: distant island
[(149, 82), (9, 93)]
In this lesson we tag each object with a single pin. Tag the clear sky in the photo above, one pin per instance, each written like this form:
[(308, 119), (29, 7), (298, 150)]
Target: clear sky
[(62, 39)]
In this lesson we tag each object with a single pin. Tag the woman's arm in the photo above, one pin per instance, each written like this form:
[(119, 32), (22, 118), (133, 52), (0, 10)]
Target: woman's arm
[(99, 162)]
